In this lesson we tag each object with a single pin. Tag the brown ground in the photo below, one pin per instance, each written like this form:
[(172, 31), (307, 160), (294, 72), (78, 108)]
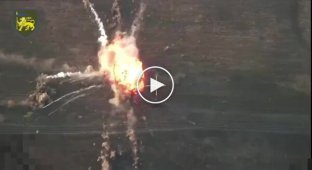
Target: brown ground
[(242, 99)]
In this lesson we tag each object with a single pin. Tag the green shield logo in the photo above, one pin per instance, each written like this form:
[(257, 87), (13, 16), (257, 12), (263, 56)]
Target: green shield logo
[(26, 21)]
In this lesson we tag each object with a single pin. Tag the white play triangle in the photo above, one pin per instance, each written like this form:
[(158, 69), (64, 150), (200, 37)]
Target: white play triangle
[(154, 85)]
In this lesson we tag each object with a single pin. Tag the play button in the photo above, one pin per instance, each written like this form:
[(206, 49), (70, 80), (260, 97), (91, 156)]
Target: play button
[(158, 85), (154, 85)]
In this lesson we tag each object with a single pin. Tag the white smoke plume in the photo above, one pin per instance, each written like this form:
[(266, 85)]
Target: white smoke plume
[(63, 75), (137, 23), (88, 74), (132, 136), (103, 37)]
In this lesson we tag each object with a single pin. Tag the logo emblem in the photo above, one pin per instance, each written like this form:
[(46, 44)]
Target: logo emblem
[(26, 21)]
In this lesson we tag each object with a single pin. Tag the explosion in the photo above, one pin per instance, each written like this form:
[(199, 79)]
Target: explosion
[(120, 65), (119, 61)]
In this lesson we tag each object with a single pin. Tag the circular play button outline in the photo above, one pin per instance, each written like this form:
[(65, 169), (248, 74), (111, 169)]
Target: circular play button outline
[(138, 82)]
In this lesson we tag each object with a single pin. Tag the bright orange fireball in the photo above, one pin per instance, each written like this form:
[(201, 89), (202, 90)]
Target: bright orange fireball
[(120, 62)]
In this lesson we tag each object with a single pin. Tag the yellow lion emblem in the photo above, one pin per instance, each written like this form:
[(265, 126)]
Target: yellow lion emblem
[(25, 24)]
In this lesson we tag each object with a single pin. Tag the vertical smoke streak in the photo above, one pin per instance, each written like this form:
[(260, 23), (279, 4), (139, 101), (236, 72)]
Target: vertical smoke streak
[(131, 117), (137, 22), (116, 14), (132, 136), (123, 48), (106, 151), (103, 37)]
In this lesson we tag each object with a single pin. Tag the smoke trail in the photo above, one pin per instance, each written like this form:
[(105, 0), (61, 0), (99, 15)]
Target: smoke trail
[(62, 75), (132, 136), (137, 22), (107, 152), (76, 92), (103, 37), (116, 14), (131, 117), (89, 73), (73, 75), (105, 155), (67, 102), (35, 63)]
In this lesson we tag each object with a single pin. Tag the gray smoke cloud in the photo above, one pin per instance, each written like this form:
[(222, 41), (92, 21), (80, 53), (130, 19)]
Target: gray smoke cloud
[(33, 62)]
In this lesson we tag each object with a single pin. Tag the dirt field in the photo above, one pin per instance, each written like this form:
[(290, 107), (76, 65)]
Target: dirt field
[(241, 101)]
